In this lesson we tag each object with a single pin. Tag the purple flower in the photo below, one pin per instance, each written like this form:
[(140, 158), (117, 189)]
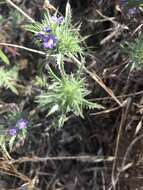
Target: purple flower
[(47, 29), (57, 20), (12, 131), (49, 42), (54, 18), (133, 11), (61, 20), (40, 35), (123, 1), (22, 124)]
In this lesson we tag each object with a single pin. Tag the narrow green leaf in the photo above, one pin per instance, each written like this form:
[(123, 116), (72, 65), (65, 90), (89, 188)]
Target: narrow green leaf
[(53, 109), (4, 57), (11, 142), (68, 15)]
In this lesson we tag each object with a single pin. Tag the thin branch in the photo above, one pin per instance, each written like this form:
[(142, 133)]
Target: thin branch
[(123, 121), (127, 166), (84, 158), (25, 48), (20, 10), (95, 77)]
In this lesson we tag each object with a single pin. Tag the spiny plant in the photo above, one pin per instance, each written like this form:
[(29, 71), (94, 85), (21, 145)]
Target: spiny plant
[(66, 94), (135, 52), (57, 35), (40, 81), (61, 40), (9, 78)]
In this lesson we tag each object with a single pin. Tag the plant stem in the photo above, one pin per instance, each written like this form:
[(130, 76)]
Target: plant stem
[(20, 10), (23, 47)]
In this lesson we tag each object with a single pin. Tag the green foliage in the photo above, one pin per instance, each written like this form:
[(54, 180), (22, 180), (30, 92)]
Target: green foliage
[(40, 81), (3, 147), (2, 2), (6, 142), (10, 121), (3, 57), (135, 52), (68, 92), (68, 42), (134, 3), (2, 137), (1, 18), (9, 78), (14, 18), (66, 95), (69, 39)]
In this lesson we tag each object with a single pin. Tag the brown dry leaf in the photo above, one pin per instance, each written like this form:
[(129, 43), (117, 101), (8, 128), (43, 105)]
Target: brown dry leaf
[(2, 38), (48, 6), (23, 63), (5, 34)]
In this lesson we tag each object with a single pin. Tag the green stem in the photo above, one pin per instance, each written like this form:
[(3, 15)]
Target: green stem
[(53, 74)]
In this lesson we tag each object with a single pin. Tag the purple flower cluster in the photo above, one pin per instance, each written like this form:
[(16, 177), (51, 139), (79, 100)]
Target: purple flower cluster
[(21, 124), (131, 11), (12, 131), (57, 20), (48, 39)]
